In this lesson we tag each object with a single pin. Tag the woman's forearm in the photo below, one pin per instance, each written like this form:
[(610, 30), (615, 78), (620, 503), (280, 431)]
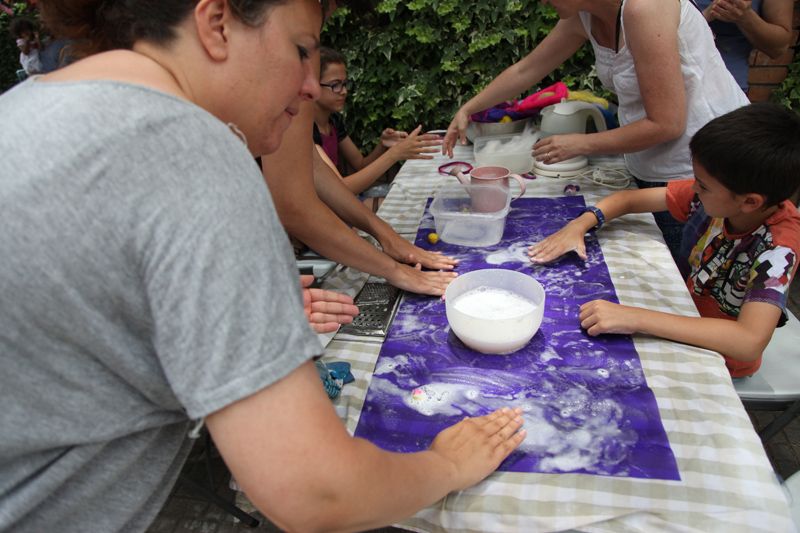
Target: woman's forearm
[(772, 38)]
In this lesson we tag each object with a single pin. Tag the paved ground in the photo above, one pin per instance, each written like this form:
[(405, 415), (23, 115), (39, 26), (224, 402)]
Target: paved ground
[(187, 512)]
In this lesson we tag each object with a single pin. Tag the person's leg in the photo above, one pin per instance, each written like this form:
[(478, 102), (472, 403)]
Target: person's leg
[(671, 229)]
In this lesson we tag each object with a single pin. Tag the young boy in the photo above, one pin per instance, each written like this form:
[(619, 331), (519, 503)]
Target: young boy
[(330, 132), (740, 243), (27, 38)]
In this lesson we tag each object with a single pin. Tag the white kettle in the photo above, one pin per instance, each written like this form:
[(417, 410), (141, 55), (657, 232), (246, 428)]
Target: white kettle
[(570, 117)]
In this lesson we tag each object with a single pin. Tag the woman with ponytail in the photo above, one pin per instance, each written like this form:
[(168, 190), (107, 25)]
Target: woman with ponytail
[(148, 287)]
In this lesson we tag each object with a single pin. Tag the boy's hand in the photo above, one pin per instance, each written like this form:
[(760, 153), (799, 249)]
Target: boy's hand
[(416, 146), (476, 446), (325, 310), (599, 316), (567, 239)]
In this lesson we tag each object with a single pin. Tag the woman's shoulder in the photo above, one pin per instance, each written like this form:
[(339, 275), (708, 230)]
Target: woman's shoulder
[(642, 10)]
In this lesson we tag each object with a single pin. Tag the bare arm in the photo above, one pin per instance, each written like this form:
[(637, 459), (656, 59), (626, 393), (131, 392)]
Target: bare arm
[(295, 461), (288, 173), (560, 44), (333, 193), (651, 32), (570, 238), (414, 146), (771, 33), (743, 339)]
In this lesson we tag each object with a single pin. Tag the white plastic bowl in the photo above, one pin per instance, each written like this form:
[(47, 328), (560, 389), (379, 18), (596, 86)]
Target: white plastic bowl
[(481, 328)]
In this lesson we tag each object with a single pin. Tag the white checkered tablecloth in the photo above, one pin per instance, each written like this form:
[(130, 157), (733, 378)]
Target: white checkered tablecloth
[(727, 483)]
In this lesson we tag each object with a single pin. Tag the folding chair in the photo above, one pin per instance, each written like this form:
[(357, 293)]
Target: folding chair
[(776, 385)]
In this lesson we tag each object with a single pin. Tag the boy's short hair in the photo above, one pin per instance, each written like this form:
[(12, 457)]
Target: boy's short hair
[(753, 149), (21, 25), (329, 56)]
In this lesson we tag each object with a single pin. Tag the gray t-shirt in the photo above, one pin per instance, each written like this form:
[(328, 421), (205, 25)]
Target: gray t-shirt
[(145, 281)]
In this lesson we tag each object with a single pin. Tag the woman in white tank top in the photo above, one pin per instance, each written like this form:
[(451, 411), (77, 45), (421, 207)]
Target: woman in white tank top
[(657, 56)]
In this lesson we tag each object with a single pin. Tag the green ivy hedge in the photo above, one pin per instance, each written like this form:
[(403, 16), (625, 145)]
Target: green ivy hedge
[(416, 61)]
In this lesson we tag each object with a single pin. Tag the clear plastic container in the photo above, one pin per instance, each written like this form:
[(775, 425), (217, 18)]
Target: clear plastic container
[(511, 151), (460, 214)]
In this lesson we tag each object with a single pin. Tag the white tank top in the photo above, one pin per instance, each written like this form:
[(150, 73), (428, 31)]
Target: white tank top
[(711, 91)]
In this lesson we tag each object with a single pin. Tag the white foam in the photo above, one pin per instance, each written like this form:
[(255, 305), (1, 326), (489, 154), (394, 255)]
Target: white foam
[(493, 303)]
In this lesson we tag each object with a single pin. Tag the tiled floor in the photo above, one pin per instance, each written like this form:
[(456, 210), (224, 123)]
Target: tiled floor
[(187, 512)]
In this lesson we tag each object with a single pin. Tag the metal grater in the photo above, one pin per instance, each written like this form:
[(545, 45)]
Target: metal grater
[(377, 303)]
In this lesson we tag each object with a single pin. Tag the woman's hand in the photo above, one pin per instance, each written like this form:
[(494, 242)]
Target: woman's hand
[(557, 148), (456, 131), (326, 310), (599, 316), (416, 146), (476, 446), (567, 239), (730, 10)]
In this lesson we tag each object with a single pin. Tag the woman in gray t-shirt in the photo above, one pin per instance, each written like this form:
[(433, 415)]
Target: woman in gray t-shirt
[(147, 283)]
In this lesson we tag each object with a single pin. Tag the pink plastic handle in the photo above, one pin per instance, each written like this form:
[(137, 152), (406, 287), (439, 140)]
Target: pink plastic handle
[(521, 185)]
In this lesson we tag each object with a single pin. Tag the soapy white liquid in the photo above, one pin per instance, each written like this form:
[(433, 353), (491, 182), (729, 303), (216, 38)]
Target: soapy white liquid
[(491, 303), (492, 320)]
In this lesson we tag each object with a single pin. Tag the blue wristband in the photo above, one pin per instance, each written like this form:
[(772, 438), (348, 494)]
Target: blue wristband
[(601, 218)]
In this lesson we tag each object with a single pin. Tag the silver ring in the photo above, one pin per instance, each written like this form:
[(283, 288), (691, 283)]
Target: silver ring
[(547, 155)]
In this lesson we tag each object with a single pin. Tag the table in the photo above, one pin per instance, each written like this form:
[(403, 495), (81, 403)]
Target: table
[(727, 482)]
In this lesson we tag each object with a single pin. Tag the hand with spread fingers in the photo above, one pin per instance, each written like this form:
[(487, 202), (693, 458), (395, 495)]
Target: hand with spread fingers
[(416, 146), (570, 238), (476, 446), (326, 310)]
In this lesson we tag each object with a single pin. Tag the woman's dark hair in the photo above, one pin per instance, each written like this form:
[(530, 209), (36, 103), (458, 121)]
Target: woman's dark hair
[(100, 25), (329, 56), (753, 149)]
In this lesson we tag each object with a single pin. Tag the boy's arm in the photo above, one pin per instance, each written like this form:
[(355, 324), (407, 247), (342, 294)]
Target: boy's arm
[(743, 339), (570, 237)]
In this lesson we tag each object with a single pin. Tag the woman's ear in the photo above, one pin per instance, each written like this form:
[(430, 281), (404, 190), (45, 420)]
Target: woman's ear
[(212, 19)]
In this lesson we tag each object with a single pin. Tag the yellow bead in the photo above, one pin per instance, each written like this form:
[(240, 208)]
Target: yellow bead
[(433, 238)]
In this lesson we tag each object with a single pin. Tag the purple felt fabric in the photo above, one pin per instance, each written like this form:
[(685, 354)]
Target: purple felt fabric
[(587, 406)]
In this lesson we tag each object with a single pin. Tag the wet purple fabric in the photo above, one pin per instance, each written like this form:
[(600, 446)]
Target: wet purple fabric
[(587, 406)]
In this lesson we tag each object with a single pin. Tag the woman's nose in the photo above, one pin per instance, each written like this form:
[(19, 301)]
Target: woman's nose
[(310, 90)]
